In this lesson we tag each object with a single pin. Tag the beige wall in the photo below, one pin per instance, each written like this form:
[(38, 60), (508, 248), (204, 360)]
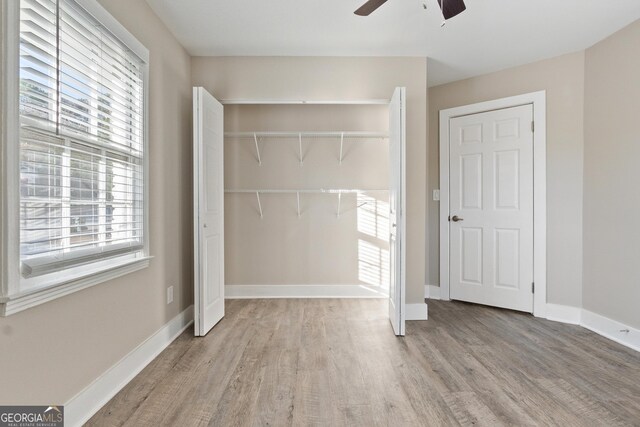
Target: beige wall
[(51, 352), (612, 177), (319, 78), (563, 79)]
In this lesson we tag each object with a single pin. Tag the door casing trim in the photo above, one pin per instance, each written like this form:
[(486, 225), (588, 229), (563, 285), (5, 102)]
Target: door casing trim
[(538, 101)]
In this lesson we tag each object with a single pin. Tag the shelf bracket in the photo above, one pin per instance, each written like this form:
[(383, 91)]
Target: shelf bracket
[(300, 146), (298, 197), (339, 200), (259, 204), (255, 139), (341, 145)]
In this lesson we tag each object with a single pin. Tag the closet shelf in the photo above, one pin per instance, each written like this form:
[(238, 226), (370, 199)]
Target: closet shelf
[(338, 191), (308, 134), (306, 191), (304, 102), (339, 135)]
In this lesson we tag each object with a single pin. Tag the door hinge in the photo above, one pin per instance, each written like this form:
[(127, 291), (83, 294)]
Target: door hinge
[(533, 287), (533, 126)]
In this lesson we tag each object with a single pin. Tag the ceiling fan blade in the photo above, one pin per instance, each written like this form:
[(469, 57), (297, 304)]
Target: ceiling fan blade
[(368, 7), (451, 8)]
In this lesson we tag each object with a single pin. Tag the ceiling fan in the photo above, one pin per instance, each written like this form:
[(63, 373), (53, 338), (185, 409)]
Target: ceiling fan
[(450, 8)]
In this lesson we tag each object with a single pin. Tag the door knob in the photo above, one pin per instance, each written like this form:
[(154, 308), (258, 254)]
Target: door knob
[(456, 218)]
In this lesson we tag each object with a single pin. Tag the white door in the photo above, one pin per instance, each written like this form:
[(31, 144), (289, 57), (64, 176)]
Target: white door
[(491, 208), (208, 200), (397, 127)]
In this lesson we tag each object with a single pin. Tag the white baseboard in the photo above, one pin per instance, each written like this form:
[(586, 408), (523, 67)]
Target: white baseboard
[(601, 325), (301, 291), (564, 313), (612, 329), (85, 404), (416, 311), (432, 292)]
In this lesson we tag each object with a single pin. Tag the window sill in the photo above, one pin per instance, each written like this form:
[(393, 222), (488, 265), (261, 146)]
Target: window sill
[(17, 303)]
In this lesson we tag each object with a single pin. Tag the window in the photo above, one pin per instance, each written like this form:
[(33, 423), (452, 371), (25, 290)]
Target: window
[(80, 142)]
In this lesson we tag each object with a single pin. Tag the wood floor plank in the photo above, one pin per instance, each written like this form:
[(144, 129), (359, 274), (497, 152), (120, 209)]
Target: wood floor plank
[(238, 403), (335, 362), (275, 400), (513, 374), (501, 400), (313, 403), (344, 371), (585, 407), (469, 410), (208, 382), (392, 406)]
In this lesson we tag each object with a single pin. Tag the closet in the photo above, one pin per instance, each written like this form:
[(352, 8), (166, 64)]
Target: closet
[(307, 199)]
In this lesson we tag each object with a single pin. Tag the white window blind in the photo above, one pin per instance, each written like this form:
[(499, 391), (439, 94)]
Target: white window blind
[(81, 140)]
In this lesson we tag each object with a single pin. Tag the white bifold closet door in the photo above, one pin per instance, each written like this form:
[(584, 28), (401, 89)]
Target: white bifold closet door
[(397, 186), (208, 184)]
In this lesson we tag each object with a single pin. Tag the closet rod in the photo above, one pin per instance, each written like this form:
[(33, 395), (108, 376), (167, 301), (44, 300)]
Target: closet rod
[(337, 191)]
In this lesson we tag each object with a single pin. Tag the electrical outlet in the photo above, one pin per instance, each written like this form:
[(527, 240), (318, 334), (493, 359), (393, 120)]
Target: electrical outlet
[(169, 294), (436, 195)]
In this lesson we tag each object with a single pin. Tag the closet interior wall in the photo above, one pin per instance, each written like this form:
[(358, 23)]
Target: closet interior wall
[(322, 245)]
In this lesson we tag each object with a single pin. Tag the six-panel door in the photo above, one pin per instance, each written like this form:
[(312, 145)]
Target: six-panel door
[(491, 208)]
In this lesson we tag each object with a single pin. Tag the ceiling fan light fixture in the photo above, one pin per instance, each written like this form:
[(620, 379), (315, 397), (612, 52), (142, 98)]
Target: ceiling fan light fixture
[(451, 8)]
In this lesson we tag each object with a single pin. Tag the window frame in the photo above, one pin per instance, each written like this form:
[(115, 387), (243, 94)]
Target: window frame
[(14, 297)]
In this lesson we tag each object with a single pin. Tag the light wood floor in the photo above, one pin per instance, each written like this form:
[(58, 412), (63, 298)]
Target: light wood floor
[(337, 363)]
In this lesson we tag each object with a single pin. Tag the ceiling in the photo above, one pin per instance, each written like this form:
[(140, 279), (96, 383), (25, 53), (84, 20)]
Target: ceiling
[(491, 35)]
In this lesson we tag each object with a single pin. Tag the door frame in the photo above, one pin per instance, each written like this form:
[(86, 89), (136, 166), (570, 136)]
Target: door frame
[(538, 101)]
